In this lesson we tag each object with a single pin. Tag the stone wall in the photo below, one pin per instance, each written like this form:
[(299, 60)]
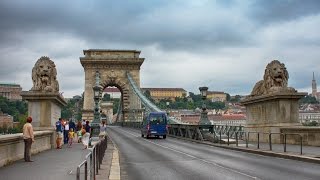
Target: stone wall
[(12, 145), (310, 135)]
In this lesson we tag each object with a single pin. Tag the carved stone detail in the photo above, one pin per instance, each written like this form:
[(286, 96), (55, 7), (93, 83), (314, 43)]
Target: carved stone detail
[(275, 80), (44, 76)]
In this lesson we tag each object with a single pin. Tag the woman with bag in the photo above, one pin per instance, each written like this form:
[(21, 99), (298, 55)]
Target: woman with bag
[(86, 130)]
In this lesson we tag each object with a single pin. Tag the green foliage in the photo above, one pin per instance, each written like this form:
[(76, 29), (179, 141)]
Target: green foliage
[(183, 103), (13, 108), (106, 97), (312, 123), (235, 99), (73, 108), (308, 100), (116, 102), (148, 95), (228, 98), (195, 98)]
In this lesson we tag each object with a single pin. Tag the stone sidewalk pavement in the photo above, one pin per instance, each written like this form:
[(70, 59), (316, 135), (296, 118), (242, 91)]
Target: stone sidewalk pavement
[(61, 164), (54, 164)]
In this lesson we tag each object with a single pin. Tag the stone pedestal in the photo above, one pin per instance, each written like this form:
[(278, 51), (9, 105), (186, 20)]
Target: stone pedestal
[(269, 113), (44, 108)]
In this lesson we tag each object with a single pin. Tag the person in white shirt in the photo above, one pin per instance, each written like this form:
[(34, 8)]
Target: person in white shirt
[(103, 130), (66, 132)]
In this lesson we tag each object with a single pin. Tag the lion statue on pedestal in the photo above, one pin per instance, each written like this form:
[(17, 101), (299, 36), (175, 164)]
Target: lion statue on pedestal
[(44, 76), (275, 79)]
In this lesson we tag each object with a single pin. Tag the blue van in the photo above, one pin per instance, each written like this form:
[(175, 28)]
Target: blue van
[(155, 124)]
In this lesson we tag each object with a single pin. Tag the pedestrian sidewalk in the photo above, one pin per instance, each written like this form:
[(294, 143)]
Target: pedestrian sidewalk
[(53, 164), (109, 164)]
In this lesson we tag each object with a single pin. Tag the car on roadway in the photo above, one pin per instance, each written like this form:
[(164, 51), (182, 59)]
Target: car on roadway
[(155, 124)]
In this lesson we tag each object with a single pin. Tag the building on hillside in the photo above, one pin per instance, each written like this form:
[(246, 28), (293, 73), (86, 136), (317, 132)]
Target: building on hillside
[(309, 113), (11, 91), (216, 96), (190, 118), (165, 93), (113, 91), (307, 117), (6, 120), (224, 119)]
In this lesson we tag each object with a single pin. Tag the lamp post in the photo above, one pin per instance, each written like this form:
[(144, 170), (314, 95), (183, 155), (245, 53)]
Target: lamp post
[(97, 97), (204, 114)]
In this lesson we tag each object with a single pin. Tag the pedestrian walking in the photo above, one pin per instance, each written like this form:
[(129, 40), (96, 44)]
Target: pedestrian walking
[(71, 136), (103, 130), (66, 132), (59, 130), (86, 136), (79, 128), (28, 138)]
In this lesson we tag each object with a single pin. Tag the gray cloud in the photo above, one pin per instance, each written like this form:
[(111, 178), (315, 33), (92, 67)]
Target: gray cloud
[(222, 44), (275, 11)]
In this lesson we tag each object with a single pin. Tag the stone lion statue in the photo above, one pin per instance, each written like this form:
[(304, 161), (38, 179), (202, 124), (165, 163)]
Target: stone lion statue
[(275, 79), (44, 76)]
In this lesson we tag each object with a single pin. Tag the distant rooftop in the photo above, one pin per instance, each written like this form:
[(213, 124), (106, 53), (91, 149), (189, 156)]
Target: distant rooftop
[(215, 92), (10, 84), (163, 89), (111, 50)]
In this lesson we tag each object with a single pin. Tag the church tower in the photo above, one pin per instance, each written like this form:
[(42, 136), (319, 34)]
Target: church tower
[(314, 87)]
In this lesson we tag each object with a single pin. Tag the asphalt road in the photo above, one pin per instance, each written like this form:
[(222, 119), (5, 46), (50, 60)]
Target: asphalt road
[(174, 159)]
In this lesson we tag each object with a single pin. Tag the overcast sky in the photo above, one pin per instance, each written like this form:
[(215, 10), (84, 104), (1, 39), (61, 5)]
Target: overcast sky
[(222, 44)]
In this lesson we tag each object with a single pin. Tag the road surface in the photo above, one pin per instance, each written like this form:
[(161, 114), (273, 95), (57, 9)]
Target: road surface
[(175, 159)]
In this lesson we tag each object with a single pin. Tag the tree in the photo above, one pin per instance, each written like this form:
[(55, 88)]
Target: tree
[(308, 100), (106, 97), (194, 97), (13, 108), (236, 98), (228, 97)]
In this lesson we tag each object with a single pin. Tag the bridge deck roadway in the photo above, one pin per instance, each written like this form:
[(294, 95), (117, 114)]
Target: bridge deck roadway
[(54, 164)]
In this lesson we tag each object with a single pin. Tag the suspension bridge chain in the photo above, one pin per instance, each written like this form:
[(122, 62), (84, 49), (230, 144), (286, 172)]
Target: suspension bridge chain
[(119, 111), (150, 107), (145, 101)]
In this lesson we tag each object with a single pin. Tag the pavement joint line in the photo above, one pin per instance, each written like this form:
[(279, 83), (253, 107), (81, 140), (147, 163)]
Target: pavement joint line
[(255, 151)]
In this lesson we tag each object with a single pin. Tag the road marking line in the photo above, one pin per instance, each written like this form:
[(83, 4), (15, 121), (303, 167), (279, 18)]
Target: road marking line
[(203, 160)]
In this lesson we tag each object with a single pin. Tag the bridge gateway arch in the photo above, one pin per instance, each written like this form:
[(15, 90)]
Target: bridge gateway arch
[(113, 66)]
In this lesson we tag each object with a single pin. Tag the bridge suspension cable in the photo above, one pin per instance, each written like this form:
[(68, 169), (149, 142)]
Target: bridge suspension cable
[(119, 111), (145, 101), (150, 107)]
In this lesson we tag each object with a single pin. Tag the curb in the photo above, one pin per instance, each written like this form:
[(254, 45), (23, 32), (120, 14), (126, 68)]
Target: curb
[(115, 165), (260, 152)]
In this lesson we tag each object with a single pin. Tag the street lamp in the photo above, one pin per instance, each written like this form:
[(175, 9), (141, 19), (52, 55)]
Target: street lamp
[(204, 114), (96, 96)]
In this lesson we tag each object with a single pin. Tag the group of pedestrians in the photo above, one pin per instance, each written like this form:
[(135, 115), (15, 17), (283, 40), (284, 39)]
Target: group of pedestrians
[(66, 131)]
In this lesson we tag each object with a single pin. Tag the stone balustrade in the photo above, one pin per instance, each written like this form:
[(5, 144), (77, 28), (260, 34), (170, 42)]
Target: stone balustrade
[(12, 145)]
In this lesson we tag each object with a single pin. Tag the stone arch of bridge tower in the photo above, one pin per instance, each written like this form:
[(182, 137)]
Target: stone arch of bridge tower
[(122, 86), (112, 66)]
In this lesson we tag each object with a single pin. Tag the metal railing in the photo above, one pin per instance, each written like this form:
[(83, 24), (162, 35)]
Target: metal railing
[(230, 132), (284, 139), (95, 158)]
